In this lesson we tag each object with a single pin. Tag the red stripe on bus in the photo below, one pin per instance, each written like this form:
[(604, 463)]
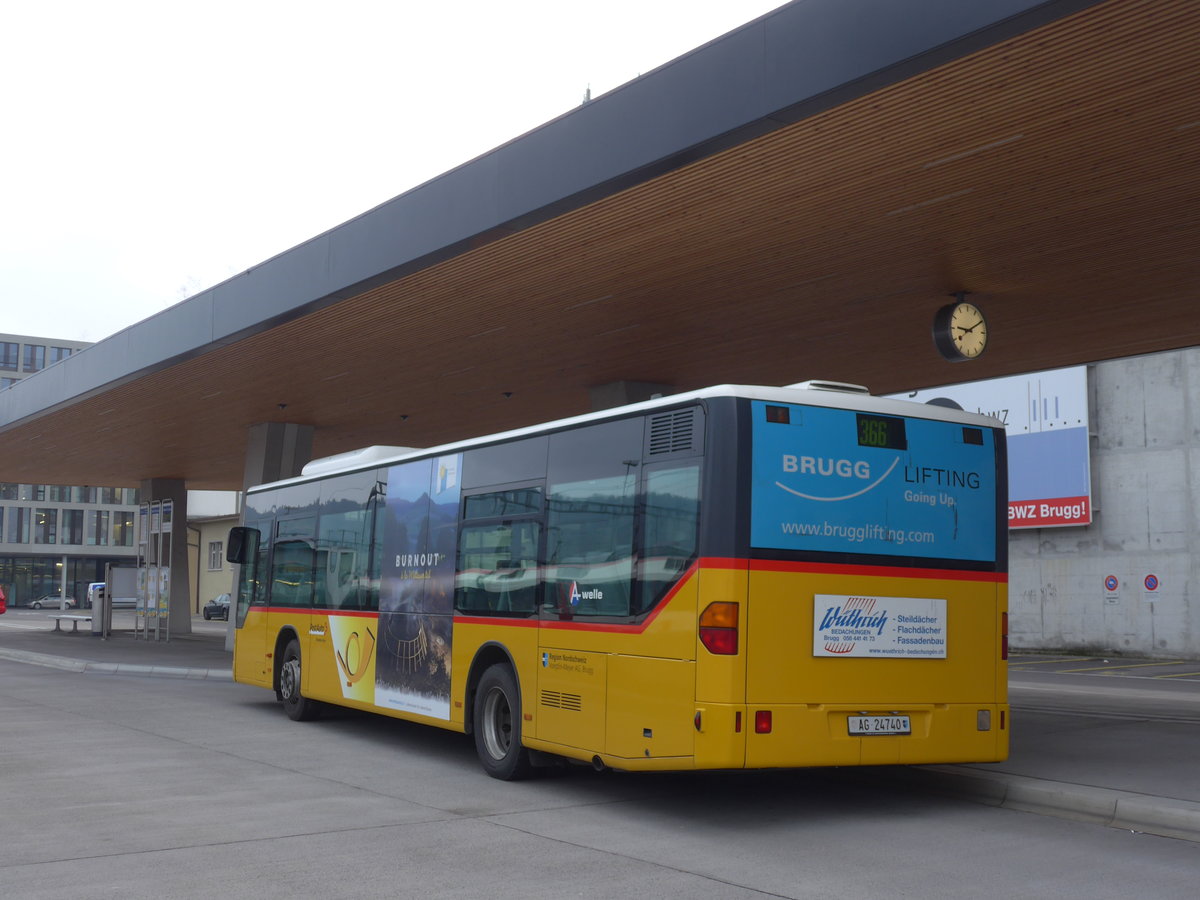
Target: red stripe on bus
[(302, 610), (489, 620), (576, 625), (708, 562)]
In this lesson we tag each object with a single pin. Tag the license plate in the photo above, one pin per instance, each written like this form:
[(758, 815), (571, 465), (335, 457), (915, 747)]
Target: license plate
[(867, 725)]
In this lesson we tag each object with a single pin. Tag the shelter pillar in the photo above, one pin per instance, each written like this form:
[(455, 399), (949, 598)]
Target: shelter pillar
[(276, 450), (180, 594)]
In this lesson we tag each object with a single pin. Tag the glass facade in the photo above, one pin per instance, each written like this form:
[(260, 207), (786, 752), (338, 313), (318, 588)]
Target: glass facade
[(23, 356), (50, 531), (28, 577), (44, 525)]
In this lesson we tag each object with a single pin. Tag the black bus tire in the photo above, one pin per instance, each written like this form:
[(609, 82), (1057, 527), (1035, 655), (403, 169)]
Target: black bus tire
[(298, 707), (497, 725)]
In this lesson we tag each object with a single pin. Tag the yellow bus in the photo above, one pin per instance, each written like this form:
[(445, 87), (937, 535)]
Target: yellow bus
[(736, 577)]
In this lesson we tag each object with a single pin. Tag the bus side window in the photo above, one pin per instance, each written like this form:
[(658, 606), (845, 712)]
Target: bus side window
[(669, 530), (593, 479), (292, 574), (497, 568)]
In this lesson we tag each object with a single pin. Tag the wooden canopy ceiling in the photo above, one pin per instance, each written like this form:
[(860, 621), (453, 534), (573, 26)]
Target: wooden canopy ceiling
[(1053, 177)]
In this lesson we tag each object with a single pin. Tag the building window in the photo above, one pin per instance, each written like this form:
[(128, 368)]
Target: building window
[(9, 355), (58, 354), (97, 528), (32, 492), (122, 528), (8, 382), (35, 358), (59, 494), (72, 527), (215, 554), (45, 526), (9, 490), (18, 525)]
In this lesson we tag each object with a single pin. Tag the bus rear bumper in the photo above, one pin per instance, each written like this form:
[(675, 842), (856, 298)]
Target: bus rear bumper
[(788, 735)]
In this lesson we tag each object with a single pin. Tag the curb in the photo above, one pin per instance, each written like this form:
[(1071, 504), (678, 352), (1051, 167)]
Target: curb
[(101, 668), (1144, 813)]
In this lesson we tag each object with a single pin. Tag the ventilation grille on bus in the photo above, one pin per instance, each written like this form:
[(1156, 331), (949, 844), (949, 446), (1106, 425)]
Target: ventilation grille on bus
[(672, 432), (559, 700)]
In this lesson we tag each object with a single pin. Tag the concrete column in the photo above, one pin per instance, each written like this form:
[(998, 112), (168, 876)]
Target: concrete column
[(276, 450), (175, 490)]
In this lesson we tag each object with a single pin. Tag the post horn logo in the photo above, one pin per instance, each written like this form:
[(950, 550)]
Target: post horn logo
[(357, 657)]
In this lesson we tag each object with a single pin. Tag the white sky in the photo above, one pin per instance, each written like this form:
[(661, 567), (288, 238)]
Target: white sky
[(149, 150)]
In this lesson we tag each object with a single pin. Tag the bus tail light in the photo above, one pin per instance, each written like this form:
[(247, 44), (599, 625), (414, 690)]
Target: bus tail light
[(762, 721), (719, 628), (1004, 635)]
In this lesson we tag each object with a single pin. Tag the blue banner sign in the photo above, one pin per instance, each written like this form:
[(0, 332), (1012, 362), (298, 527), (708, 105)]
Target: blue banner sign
[(836, 480)]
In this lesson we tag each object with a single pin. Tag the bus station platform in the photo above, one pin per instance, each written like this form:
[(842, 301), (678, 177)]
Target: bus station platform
[(200, 655), (1116, 751)]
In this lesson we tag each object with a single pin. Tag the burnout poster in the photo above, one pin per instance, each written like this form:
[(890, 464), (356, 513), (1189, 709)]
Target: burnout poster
[(416, 597)]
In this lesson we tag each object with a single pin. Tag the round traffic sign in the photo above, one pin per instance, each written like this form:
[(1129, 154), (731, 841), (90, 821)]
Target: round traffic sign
[(1111, 583), (1151, 582)]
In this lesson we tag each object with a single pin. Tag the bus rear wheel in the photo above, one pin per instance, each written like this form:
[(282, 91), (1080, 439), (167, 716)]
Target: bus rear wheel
[(296, 705), (497, 725)]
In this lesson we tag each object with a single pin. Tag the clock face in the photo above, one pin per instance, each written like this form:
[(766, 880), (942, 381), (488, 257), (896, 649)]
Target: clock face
[(968, 329), (960, 331)]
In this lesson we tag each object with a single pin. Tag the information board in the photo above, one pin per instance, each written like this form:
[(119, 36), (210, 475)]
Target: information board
[(1045, 415)]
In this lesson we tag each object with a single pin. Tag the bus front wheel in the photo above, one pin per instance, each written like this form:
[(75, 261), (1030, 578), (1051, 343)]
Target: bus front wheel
[(296, 705), (497, 725)]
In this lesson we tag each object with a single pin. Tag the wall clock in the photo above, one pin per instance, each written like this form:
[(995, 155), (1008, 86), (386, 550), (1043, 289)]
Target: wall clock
[(960, 331)]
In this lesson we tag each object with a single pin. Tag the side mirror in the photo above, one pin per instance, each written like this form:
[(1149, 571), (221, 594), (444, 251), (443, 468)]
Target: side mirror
[(241, 545)]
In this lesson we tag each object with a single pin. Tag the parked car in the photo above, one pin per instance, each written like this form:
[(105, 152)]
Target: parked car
[(217, 608), (50, 601)]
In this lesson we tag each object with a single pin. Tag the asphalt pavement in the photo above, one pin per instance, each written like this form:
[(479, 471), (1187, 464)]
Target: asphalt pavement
[(1115, 751)]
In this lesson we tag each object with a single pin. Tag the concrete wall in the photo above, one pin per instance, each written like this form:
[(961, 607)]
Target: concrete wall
[(1145, 457)]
